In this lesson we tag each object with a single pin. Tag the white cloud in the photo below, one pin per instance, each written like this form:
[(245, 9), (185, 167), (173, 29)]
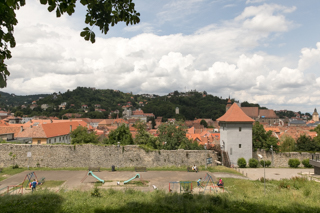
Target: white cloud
[(266, 17), (221, 59), (310, 57)]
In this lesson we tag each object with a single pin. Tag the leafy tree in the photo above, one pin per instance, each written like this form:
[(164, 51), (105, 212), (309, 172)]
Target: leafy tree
[(262, 139), (306, 143), (287, 143), (81, 135), (316, 129), (18, 114), (121, 134), (143, 136), (204, 123), (172, 136), (100, 13), (153, 122)]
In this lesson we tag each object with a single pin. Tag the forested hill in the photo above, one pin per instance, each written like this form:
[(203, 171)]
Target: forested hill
[(191, 104), (16, 100)]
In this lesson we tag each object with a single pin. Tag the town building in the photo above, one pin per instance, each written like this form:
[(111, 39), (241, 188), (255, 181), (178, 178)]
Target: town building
[(236, 134)]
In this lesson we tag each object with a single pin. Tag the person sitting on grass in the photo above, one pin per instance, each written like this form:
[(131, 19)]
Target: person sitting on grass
[(220, 183), (198, 182)]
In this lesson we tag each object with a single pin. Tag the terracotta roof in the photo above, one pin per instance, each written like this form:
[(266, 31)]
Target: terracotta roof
[(252, 112), (106, 122), (191, 130), (267, 113), (235, 114), (138, 112), (96, 120), (273, 129), (111, 127), (49, 130), (10, 129), (34, 132)]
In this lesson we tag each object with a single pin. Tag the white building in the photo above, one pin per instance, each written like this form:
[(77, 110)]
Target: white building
[(236, 134)]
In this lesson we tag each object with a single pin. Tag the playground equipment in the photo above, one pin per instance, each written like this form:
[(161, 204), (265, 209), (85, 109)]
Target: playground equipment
[(91, 173), (13, 189), (208, 184), (136, 176), (18, 189), (181, 186), (30, 176)]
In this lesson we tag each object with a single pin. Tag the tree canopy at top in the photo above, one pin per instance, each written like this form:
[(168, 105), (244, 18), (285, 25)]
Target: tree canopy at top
[(100, 13)]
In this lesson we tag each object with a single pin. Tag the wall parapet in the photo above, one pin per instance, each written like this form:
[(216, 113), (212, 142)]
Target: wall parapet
[(65, 156), (281, 159)]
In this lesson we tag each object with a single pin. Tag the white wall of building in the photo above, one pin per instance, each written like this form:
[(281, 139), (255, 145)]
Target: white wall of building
[(236, 139)]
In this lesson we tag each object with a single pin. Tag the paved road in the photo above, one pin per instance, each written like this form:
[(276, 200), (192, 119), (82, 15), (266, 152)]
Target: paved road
[(73, 179), (274, 173)]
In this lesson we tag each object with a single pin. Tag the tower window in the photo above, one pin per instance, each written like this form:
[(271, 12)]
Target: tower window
[(240, 146), (230, 151), (239, 129)]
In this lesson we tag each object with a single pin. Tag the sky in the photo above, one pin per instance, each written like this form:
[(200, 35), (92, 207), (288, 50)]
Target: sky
[(260, 51)]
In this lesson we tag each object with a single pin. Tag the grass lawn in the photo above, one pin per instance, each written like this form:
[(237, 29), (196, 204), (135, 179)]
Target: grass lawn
[(295, 195), (6, 172)]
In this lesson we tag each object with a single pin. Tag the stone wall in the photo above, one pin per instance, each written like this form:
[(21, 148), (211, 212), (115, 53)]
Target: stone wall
[(281, 159), (59, 156)]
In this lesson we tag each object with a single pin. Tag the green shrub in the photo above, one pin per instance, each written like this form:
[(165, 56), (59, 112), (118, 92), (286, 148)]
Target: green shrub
[(294, 163), (268, 163), (242, 163), (96, 192), (253, 163), (306, 163)]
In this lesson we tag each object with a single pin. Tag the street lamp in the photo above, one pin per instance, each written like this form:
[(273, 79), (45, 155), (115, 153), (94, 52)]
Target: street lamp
[(119, 153), (271, 149), (264, 169)]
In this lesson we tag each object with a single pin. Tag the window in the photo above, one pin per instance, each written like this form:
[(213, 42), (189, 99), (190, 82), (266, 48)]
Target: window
[(230, 151), (55, 140), (39, 141), (239, 129), (239, 146)]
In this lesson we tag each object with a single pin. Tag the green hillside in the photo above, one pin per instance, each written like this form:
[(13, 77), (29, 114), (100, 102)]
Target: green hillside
[(191, 104)]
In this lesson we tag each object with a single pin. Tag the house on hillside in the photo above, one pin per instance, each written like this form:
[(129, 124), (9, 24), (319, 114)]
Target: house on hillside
[(50, 133), (44, 106), (236, 134)]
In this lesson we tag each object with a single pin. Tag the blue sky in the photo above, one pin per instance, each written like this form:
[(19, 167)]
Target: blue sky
[(261, 51)]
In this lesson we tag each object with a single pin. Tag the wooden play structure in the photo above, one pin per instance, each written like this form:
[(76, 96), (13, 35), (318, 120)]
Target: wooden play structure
[(181, 186)]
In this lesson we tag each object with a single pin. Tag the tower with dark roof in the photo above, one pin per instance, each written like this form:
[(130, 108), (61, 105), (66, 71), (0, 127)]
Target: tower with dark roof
[(315, 115), (229, 103), (236, 134)]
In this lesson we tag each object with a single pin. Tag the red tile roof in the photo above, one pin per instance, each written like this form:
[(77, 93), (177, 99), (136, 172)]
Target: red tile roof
[(235, 114), (252, 112)]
